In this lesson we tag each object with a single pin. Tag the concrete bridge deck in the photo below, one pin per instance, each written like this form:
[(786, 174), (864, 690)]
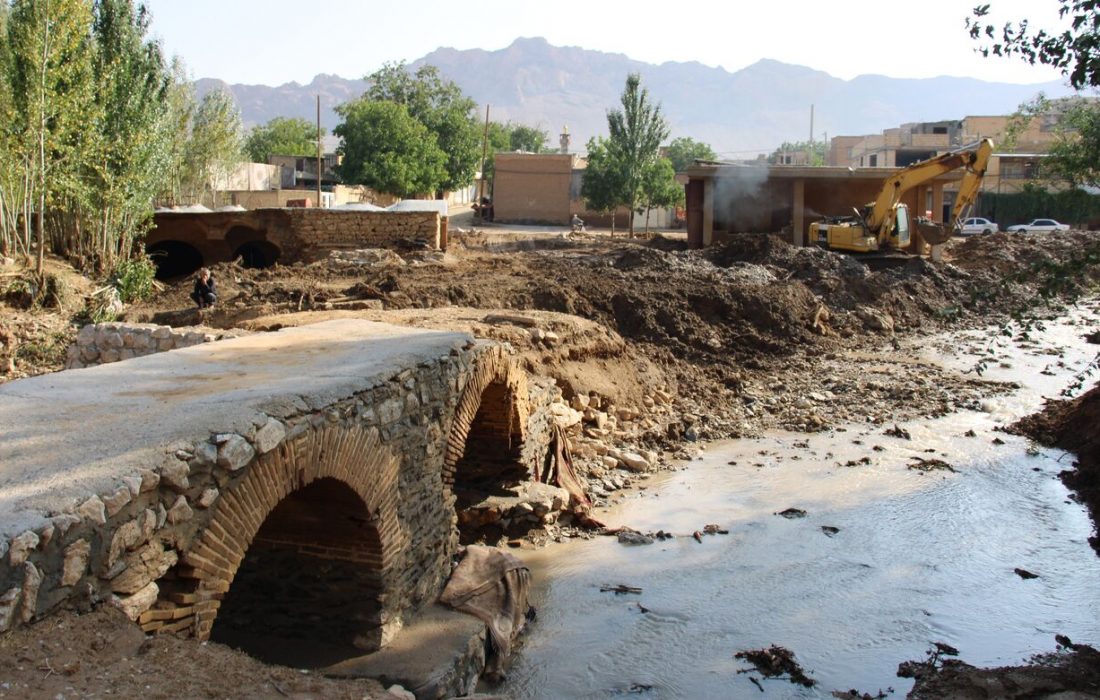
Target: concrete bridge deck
[(68, 435), (297, 485)]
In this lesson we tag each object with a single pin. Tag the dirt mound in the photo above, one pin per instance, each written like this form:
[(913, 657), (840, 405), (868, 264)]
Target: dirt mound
[(103, 654), (1074, 426)]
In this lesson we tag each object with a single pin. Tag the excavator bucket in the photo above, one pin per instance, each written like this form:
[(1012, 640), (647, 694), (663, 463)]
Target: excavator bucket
[(933, 232)]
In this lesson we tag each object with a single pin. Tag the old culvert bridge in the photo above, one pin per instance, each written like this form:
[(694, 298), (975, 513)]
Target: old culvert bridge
[(300, 482)]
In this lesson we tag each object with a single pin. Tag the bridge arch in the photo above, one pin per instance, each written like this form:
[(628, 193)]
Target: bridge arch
[(174, 258), (327, 500), (252, 246), (485, 445)]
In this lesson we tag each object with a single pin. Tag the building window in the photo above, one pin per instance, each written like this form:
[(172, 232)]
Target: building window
[(872, 160)]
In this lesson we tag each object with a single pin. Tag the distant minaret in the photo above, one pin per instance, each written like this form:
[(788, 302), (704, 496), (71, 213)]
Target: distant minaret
[(564, 139)]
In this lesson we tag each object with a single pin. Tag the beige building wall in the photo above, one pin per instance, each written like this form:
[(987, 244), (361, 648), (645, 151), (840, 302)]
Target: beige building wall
[(532, 187)]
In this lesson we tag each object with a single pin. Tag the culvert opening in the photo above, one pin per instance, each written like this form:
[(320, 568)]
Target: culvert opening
[(489, 477), (257, 254), (174, 258), (307, 593)]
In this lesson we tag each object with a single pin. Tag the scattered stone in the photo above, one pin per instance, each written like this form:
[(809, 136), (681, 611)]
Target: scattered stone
[(829, 530), (180, 511), (970, 433), (21, 547), (234, 452), (269, 436), (174, 475), (998, 441), (149, 480), (207, 498), (632, 461), (8, 602), (93, 510), (134, 605), (76, 562), (114, 502), (32, 581), (1025, 574), (714, 530)]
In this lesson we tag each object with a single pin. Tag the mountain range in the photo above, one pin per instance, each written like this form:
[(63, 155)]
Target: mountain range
[(740, 113)]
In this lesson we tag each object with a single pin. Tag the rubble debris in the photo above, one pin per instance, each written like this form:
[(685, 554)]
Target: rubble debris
[(898, 432), (632, 537), (619, 588), (774, 662), (792, 513), (924, 465)]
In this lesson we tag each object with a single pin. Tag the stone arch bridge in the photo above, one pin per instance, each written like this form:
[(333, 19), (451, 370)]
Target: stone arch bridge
[(303, 481)]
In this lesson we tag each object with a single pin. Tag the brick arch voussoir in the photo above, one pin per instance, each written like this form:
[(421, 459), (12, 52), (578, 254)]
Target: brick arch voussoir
[(354, 456), (494, 366)]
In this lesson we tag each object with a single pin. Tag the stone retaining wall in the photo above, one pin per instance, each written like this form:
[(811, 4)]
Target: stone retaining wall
[(295, 233), (101, 343), (167, 543)]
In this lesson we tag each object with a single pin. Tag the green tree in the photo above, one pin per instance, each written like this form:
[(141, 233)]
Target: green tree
[(815, 152), (1075, 51), (684, 151), (282, 136), (636, 133), (1075, 156), (530, 139), (439, 105), (388, 150), (505, 137), (131, 88), (51, 86), (603, 183), (214, 145), (175, 132), (660, 189)]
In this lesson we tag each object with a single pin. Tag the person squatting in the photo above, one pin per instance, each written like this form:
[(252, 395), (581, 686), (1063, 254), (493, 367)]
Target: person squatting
[(204, 294)]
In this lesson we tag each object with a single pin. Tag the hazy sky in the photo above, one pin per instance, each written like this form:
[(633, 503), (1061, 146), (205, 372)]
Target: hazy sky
[(276, 41)]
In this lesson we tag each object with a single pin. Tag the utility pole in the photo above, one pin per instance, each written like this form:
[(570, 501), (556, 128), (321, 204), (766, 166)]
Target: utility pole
[(481, 181), (320, 158), (810, 150)]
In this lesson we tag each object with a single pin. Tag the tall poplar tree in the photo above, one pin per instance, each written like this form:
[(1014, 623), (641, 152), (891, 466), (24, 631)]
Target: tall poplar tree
[(636, 133)]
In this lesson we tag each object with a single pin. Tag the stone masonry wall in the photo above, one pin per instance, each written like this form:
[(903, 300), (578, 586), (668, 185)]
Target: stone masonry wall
[(363, 229), (165, 545), (101, 343), (297, 233)]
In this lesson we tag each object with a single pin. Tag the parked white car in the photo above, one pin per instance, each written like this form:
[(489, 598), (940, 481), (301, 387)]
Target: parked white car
[(1039, 225), (977, 225)]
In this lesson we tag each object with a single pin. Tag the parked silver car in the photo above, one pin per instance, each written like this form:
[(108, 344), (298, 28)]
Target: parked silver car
[(977, 225), (1039, 225)]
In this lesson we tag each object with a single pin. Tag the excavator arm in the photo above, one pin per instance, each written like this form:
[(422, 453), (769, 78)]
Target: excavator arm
[(971, 182), (974, 157)]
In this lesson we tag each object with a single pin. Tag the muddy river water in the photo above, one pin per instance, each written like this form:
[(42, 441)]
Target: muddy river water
[(916, 557)]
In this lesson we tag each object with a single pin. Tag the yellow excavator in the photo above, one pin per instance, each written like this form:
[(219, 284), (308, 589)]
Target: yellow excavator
[(885, 224)]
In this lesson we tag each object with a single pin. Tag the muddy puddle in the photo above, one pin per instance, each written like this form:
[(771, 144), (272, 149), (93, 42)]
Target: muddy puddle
[(886, 560)]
